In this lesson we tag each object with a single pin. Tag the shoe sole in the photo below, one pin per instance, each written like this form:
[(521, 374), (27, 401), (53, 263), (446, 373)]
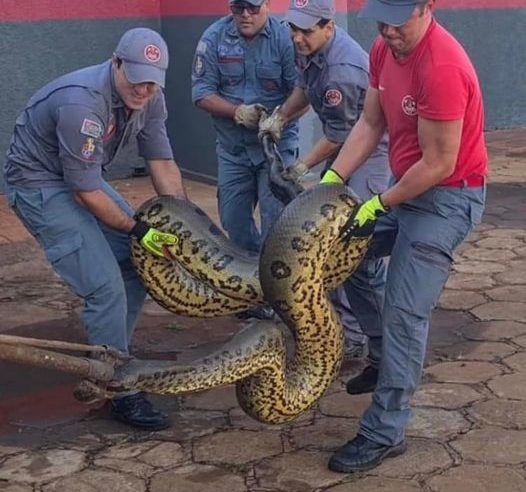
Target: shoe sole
[(370, 389), (339, 467)]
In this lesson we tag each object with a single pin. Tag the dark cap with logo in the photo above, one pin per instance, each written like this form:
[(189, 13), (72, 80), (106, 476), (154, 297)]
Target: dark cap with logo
[(144, 56), (257, 3), (305, 14), (392, 12)]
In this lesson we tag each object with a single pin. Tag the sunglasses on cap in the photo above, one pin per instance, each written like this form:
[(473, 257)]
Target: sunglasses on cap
[(237, 8)]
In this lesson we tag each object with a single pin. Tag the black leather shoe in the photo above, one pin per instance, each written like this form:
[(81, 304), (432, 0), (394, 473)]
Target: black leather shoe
[(362, 454), (137, 411), (365, 382)]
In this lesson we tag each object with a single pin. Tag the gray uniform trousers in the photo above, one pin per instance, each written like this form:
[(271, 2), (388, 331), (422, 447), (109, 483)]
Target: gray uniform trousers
[(420, 236), (366, 284), (91, 258)]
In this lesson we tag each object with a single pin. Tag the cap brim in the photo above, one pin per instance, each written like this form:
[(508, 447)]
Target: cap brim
[(139, 73), (394, 15), (301, 20), (257, 3)]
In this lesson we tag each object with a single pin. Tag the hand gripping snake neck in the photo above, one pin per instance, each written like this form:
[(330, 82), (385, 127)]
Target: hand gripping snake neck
[(302, 259)]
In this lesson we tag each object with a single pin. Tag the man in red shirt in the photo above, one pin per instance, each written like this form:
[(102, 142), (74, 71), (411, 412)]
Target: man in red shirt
[(424, 91)]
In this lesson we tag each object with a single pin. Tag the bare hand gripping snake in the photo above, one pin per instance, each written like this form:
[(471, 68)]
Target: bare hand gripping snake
[(301, 260)]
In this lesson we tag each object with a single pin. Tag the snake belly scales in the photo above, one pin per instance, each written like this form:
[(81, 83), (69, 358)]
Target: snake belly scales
[(302, 259)]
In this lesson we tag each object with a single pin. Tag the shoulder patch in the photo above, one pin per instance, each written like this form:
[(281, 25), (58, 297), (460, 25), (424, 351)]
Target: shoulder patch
[(88, 149), (199, 66), (333, 97), (91, 128)]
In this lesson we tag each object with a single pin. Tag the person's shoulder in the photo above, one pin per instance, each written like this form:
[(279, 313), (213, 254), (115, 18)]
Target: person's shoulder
[(346, 50)]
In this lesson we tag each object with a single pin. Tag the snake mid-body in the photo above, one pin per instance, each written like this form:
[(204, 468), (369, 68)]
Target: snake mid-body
[(301, 260)]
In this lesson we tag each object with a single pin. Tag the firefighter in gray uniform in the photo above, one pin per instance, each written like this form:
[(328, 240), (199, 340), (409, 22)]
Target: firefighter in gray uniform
[(333, 79), (69, 131)]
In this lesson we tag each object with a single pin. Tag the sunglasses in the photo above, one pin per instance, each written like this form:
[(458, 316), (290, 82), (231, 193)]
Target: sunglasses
[(239, 7)]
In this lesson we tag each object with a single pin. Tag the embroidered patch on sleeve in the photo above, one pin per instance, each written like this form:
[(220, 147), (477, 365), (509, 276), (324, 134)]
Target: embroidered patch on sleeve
[(88, 149), (333, 97), (201, 48), (199, 66), (91, 128)]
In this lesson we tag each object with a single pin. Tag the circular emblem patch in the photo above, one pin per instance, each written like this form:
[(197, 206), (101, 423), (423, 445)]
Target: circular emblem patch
[(409, 106), (301, 3), (152, 53), (333, 97)]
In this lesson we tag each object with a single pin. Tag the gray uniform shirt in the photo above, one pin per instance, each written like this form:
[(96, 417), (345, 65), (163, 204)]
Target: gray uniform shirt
[(75, 126), (335, 80)]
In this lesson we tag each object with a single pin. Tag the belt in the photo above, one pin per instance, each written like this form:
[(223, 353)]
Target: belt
[(473, 181)]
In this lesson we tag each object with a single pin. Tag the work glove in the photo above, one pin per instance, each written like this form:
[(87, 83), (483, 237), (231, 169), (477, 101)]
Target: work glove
[(362, 221), (153, 240), (248, 115), (273, 125), (296, 171), (330, 176)]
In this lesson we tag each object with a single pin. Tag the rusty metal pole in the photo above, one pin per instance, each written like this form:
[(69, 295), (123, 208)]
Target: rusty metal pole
[(83, 366)]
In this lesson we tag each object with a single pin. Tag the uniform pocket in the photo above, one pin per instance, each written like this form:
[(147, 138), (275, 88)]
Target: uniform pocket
[(231, 74), (269, 77)]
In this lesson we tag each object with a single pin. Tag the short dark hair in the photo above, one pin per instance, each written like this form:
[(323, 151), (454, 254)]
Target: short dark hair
[(323, 22)]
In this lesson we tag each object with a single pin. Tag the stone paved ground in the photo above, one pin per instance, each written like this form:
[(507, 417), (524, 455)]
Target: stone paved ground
[(468, 433)]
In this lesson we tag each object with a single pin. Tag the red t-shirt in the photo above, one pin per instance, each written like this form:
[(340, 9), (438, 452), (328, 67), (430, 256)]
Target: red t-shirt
[(437, 82)]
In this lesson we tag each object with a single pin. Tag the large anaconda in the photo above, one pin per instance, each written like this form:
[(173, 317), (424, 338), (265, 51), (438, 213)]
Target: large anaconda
[(301, 260)]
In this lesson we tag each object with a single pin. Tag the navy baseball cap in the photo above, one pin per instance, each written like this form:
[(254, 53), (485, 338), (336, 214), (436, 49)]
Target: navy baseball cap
[(144, 56), (392, 12), (305, 14)]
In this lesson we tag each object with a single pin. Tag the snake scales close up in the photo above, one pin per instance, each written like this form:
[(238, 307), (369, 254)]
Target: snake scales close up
[(301, 260)]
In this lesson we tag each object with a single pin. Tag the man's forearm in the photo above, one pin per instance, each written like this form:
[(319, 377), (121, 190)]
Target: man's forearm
[(295, 106), (166, 178), (105, 209), (323, 149), (358, 147), (217, 106)]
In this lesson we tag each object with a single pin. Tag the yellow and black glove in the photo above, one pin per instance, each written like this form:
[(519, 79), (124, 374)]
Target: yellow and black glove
[(330, 176), (153, 240), (361, 223)]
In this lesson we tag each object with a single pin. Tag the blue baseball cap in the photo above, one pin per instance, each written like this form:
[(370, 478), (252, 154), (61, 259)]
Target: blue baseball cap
[(305, 14), (144, 56), (392, 12)]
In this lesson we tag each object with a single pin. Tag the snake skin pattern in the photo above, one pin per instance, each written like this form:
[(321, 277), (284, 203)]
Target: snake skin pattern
[(302, 258)]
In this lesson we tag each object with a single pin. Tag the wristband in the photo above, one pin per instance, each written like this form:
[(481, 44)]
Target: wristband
[(139, 230)]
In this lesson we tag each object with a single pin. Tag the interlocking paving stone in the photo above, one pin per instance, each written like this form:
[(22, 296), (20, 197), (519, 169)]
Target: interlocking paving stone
[(478, 478), (300, 471), (197, 478), (466, 281), (512, 386), (342, 404), (41, 466), (447, 396), (492, 445), (504, 413), (520, 340), (513, 293), (517, 361), (482, 267), (97, 481), (516, 273), (325, 433), (436, 423), (460, 300), (164, 455), (463, 372), (6, 487), (500, 243), (422, 456), (485, 351), (131, 466), (483, 254), (127, 450), (494, 330), (188, 424), (377, 484), (237, 446), (219, 399), (513, 311)]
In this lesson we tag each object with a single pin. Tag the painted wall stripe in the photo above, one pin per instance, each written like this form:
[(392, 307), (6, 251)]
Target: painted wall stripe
[(40, 10)]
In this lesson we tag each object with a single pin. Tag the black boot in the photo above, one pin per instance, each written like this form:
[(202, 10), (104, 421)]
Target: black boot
[(365, 382), (258, 312), (137, 411), (362, 454)]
